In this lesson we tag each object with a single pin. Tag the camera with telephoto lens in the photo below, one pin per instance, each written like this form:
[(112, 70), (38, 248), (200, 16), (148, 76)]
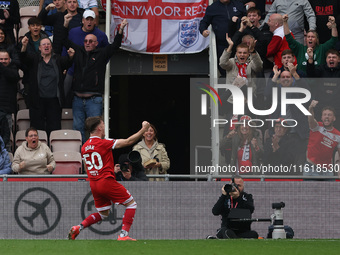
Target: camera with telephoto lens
[(124, 167), (230, 187), (135, 160), (278, 206)]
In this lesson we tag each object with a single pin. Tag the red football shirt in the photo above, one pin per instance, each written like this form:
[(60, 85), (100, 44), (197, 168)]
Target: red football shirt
[(97, 155), (322, 144)]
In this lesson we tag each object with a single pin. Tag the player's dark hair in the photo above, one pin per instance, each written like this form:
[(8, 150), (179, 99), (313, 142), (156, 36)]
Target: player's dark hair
[(30, 129), (92, 123), (330, 108)]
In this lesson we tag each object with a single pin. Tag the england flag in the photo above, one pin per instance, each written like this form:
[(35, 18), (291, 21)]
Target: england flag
[(160, 26)]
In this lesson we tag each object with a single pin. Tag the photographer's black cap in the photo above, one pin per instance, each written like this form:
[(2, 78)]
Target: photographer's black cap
[(123, 158)]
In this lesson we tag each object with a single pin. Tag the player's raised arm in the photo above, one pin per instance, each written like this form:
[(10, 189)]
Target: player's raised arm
[(133, 138)]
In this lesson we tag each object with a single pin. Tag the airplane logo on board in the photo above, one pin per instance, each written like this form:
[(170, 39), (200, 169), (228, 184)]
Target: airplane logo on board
[(37, 211)]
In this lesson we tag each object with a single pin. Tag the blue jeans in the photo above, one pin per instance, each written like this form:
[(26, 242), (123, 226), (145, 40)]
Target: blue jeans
[(84, 108)]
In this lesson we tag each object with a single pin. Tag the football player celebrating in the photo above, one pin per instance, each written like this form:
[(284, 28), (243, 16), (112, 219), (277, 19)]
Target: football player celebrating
[(98, 158)]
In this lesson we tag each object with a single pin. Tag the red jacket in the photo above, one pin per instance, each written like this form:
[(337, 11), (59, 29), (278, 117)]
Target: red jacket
[(277, 45)]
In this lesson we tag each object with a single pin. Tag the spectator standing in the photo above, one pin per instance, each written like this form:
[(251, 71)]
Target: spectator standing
[(90, 5), (9, 17), (57, 21), (327, 91), (288, 61), (245, 144), (323, 9), (77, 35), (250, 25), (297, 10), (46, 91), (58, 6), (34, 35), (323, 140), (312, 41), (154, 155), (278, 42), (89, 77), (10, 47), (9, 77), (222, 15), (33, 156), (281, 148), (292, 112), (5, 132), (5, 162), (241, 70)]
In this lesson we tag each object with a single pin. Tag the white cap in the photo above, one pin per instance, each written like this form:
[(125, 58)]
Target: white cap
[(89, 13)]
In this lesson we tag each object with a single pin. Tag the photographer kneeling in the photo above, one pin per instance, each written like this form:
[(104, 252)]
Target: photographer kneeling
[(130, 168), (231, 205)]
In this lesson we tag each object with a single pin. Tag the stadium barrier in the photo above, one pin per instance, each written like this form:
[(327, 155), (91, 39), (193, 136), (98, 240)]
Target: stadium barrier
[(40, 209), (168, 177)]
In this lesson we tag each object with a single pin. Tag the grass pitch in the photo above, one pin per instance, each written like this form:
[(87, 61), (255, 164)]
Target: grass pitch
[(164, 247)]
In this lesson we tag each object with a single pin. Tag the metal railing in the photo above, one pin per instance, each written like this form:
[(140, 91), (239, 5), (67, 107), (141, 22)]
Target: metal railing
[(168, 177)]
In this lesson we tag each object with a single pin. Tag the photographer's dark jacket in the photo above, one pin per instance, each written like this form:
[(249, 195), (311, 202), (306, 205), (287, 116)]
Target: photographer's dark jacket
[(225, 203), (135, 176)]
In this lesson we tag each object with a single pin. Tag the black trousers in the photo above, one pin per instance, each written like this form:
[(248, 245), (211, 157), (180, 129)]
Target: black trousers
[(221, 233), (46, 115)]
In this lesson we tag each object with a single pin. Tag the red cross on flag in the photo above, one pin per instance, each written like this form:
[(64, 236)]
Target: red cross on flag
[(160, 26)]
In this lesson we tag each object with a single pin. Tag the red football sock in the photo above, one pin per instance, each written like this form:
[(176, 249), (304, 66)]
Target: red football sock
[(91, 219), (128, 218)]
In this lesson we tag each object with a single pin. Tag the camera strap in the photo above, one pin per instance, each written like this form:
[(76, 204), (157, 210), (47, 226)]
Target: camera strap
[(232, 203)]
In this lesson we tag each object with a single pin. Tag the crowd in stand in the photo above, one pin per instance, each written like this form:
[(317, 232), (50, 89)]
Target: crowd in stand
[(62, 57), (273, 51)]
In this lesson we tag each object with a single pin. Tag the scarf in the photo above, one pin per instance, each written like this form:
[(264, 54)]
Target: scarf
[(242, 69)]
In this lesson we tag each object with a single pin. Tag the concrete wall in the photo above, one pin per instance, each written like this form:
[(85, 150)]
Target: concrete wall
[(166, 210)]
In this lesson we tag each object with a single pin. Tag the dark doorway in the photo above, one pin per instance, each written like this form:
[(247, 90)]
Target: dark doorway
[(164, 101)]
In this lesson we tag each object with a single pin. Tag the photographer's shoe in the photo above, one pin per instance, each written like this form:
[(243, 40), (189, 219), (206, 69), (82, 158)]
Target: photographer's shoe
[(230, 234), (211, 237)]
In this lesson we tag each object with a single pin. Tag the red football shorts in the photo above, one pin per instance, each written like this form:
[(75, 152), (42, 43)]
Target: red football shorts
[(106, 190)]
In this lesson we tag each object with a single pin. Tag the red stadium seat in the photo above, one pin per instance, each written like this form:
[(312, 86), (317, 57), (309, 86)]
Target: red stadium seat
[(23, 119), (68, 162), (66, 118), (65, 140)]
